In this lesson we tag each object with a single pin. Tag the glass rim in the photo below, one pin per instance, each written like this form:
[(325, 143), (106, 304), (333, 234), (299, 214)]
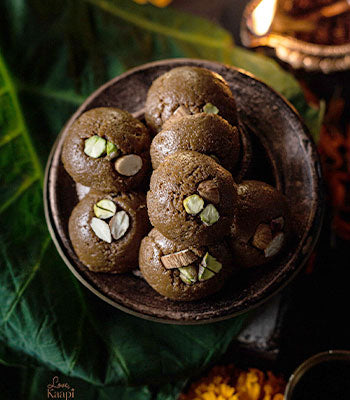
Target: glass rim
[(309, 363)]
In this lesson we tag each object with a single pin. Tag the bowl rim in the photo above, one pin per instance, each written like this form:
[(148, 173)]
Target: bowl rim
[(309, 363), (306, 243)]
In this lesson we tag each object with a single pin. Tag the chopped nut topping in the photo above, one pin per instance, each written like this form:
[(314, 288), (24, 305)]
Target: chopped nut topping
[(208, 267), (112, 150), (193, 204), (204, 273), (105, 208), (209, 215), (209, 191), (188, 274), (275, 245), (211, 263), (262, 236), (95, 146), (128, 165), (101, 229), (179, 259), (119, 224), (210, 109)]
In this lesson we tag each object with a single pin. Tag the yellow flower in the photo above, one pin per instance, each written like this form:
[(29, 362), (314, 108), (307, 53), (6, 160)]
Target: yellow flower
[(158, 3), (230, 383), (226, 391)]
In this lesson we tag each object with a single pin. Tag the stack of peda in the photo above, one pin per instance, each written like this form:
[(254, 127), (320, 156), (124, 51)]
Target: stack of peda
[(206, 226)]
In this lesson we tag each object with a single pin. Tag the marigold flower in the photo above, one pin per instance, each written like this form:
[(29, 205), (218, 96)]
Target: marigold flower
[(230, 383)]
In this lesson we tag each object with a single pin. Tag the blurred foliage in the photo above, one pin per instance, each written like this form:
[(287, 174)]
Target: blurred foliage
[(158, 3)]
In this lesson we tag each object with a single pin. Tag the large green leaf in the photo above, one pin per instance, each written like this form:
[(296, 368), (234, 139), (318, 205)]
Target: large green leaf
[(58, 52), (31, 384)]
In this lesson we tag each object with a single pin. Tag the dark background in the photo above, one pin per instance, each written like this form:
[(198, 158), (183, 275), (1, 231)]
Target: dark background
[(314, 309)]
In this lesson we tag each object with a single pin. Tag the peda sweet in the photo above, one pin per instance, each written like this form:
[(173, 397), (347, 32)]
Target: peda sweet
[(188, 90), (190, 199), (205, 133), (261, 224), (184, 273), (106, 230), (107, 149)]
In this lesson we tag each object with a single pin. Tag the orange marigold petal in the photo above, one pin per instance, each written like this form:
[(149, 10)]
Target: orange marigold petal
[(278, 396)]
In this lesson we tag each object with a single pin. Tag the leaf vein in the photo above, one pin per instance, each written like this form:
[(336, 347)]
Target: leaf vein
[(25, 284), (21, 123), (10, 136), (68, 97), (4, 90), (25, 185), (159, 28)]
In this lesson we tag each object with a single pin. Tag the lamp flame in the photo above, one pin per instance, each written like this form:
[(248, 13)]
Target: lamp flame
[(262, 17)]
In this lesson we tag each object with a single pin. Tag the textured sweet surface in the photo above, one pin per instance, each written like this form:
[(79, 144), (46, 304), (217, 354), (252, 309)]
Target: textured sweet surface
[(177, 178), (292, 166), (120, 255), (120, 128), (192, 88), (206, 133), (258, 204), (167, 281)]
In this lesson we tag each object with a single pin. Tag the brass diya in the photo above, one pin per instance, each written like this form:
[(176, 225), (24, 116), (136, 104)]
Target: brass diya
[(275, 24)]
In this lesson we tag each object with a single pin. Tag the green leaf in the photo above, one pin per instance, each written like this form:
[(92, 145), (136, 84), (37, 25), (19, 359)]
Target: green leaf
[(31, 384), (48, 319), (58, 52)]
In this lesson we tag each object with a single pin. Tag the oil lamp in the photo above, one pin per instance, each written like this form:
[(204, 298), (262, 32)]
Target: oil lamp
[(310, 34)]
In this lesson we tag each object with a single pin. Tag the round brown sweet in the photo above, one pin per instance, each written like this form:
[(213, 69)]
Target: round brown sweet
[(189, 87), (120, 128), (206, 133), (179, 177), (99, 256), (257, 203), (167, 282)]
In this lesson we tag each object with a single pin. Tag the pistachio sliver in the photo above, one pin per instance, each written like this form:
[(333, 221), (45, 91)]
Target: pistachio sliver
[(119, 224), (193, 204), (210, 109), (188, 274), (209, 215), (204, 273), (105, 208), (95, 146), (211, 263), (101, 229), (112, 150)]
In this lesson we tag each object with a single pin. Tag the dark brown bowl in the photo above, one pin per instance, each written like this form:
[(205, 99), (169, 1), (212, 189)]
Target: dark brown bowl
[(284, 155)]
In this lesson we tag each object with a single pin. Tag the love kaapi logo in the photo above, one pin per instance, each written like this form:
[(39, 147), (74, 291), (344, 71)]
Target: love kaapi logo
[(57, 390)]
